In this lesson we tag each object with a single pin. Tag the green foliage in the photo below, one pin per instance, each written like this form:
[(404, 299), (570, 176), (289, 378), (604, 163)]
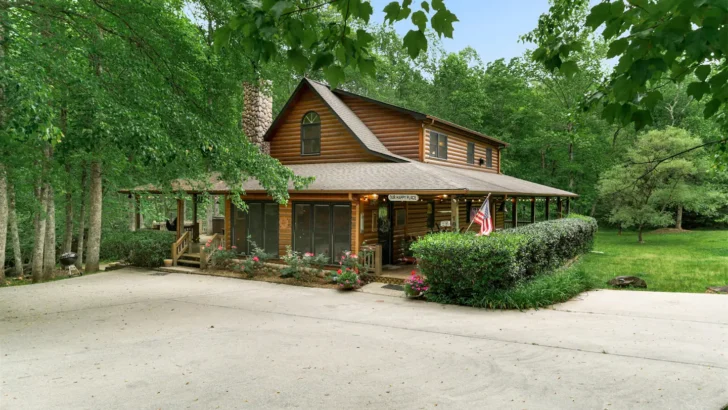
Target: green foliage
[(656, 42), (465, 268), (331, 35), (541, 291), (146, 249)]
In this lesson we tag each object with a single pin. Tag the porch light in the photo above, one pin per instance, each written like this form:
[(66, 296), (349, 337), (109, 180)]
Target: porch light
[(374, 196), (444, 196)]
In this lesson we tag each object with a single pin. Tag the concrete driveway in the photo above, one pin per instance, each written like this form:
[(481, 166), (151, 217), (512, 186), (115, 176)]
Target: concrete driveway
[(131, 339)]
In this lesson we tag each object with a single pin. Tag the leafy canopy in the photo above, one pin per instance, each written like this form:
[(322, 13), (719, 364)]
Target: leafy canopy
[(308, 37), (654, 42)]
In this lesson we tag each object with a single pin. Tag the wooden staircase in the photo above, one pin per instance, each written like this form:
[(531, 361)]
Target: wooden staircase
[(189, 259)]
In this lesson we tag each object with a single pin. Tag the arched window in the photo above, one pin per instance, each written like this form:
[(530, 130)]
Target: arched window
[(311, 134)]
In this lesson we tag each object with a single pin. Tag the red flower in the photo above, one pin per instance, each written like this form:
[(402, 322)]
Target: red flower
[(339, 271)]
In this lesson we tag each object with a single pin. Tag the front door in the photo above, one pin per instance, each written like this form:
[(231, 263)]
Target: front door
[(385, 231)]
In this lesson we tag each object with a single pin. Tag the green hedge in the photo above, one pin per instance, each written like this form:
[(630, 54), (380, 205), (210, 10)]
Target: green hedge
[(464, 268), (142, 248)]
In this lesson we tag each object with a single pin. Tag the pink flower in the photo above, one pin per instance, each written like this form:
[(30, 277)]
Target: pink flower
[(308, 254), (255, 259), (234, 247), (353, 256), (219, 248)]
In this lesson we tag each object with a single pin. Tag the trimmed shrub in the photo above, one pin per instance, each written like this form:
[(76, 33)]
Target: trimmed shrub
[(465, 268), (146, 249)]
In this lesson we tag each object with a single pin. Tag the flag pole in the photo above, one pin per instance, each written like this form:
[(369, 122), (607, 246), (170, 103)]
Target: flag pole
[(471, 221)]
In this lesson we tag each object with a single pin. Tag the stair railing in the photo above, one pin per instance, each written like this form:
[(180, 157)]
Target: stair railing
[(180, 246)]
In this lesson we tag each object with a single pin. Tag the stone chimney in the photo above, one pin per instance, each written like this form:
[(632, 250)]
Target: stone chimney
[(257, 112)]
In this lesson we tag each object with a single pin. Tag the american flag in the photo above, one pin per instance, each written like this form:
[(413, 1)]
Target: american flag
[(484, 219)]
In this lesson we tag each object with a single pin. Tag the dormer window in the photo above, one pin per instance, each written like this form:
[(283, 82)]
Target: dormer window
[(311, 134)]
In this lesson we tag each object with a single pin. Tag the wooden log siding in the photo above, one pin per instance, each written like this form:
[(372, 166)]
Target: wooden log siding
[(399, 132), (337, 143), (457, 151)]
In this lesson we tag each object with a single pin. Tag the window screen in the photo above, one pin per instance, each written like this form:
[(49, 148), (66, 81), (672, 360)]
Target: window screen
[(322, 228), (438, 145), (259, 224), (471, 153), (489, 157)]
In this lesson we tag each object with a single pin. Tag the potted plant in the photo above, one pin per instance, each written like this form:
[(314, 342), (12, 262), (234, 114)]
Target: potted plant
[(347, 279), (415, 286)]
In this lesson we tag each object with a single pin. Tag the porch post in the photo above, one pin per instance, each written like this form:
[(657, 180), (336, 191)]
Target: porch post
[(455, 214), (180, 217), (533, 210), (547, 206), (227, 235), (568, 206), (559, 208), (137, 213), (195, 228), (514, 212)]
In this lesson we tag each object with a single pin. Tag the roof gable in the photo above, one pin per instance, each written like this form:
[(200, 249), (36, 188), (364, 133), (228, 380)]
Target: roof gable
[(351, 122)]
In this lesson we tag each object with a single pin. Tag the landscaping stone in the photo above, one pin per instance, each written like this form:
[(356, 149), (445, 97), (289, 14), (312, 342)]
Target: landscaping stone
[(627, 282), (717, 289)]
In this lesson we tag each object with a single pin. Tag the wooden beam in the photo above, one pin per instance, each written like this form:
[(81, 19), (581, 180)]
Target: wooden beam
[(559, 208), (228, 240), (546, 208), (455, 214), (137, 213), (533, 210), (180, 217), (195, 226), (514, 212)]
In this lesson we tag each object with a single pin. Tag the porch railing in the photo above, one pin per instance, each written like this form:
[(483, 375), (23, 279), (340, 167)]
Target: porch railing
[(372, 258), (206, 253), (181, 246)]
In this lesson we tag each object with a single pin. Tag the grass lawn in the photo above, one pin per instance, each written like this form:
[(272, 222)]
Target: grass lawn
[(673, 262)]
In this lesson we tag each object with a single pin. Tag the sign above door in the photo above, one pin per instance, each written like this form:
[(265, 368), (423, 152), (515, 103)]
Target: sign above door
[(403, 198)]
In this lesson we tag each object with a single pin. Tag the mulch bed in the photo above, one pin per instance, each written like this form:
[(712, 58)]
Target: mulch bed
[(272, 277)]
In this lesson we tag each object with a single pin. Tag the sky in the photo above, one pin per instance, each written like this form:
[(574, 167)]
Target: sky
[(491, 27)]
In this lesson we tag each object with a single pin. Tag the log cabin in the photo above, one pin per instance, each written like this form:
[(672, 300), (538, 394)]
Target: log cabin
[(384, 175)]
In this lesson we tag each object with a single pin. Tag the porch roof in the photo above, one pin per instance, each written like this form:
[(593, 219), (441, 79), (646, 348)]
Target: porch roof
[(390, 177)]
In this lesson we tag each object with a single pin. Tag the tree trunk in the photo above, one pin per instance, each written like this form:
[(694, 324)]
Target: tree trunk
[(593, 208), (49, 248), (39, 233), (68, 233), (14, 234), (94, 224), (571, 168), (678, 220), (132, 209), (81, 221), (639, 235), (620, 229), (209, 215), (3, 220)]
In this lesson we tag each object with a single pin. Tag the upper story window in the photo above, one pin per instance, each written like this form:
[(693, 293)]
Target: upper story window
[(438, 145), (489, 157), (471, 153), (311, 134)]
